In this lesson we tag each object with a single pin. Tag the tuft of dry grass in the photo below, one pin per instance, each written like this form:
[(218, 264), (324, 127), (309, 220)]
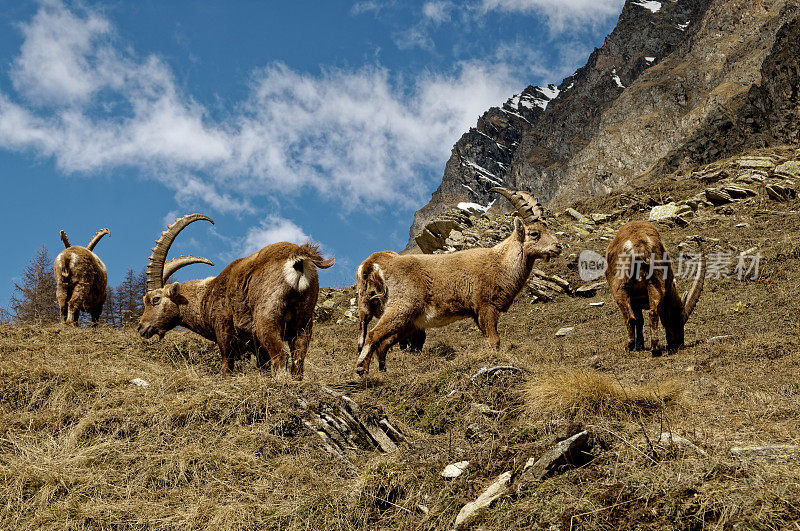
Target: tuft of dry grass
[(577, 392)]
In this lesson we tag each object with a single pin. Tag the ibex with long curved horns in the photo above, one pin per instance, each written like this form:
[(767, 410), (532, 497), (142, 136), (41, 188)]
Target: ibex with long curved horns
[(416, 292), (81, 280), (254, 305), (640, 277)]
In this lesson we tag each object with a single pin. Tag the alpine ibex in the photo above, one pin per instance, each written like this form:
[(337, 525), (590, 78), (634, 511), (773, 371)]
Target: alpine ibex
[(81, 280), (371, 296), (417, 292), (640, 276), (254, 305)]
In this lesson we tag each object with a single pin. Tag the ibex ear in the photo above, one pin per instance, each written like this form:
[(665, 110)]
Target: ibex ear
[(172, 289), (519, 229)]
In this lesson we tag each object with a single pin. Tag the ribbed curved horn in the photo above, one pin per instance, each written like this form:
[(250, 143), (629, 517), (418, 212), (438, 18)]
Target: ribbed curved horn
[(96, 238), (155, 268), (65, 239), (691, 297), (176, 263), (527, 206)]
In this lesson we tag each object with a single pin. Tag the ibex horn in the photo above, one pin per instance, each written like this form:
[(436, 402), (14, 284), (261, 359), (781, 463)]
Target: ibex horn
[(155, 268)]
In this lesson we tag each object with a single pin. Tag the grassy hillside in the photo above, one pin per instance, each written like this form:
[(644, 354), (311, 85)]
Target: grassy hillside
[(83, 447)]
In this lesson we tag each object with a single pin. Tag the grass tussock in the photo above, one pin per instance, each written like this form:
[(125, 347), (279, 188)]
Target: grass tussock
[(577, 392)]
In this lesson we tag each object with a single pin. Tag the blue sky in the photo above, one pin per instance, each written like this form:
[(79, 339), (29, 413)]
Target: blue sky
[(328, 120)]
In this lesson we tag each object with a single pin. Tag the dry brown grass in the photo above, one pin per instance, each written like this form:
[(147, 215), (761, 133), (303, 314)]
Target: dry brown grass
[(581, 392), (83, 448)]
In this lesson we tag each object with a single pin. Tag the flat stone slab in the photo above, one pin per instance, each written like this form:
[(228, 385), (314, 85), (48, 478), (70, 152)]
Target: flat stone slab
[(774, 451), (567, 330), (496, 490)]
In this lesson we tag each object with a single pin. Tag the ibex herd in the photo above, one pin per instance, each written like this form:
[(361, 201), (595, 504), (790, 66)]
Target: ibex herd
[(261, 301)]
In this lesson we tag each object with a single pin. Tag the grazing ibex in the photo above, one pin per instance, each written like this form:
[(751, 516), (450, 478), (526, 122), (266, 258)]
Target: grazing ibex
[(417, 292), (640, 276), (81, 280), (254, 305)]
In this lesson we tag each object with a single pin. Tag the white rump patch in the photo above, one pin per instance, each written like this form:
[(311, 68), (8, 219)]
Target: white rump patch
[(299, 280)]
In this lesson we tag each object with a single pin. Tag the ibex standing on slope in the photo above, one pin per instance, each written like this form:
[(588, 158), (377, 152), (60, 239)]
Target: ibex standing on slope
[(254, 305), (81, 280), (427, 291), (641, 277)]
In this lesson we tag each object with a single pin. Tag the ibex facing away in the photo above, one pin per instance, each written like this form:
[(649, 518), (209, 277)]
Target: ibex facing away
[(81, 280), (641, 277), (254, 305), (417, 292)]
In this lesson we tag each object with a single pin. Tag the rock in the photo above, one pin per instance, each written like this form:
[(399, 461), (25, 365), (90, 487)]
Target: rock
[(138, 382), (669, 211), (717, 196), (742, 225), (756, 163), (589, 290), (601, 218), (566, 452), (496, 490), (790, 168), (328, 303), (353, 302), (670, 440), (454, 470), (477, 432), (577, 216), (774, 451), (488, 375), (567, 330), (780, 192), (601, 303), (738, 192)]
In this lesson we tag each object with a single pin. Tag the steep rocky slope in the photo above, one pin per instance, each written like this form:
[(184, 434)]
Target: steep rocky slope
[(675, 83)]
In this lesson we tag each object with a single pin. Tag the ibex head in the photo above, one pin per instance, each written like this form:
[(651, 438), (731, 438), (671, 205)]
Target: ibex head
[(539, 242), (161, 302)]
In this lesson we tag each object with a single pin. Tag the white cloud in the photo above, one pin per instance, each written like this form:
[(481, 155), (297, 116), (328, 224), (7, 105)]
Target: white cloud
[(271, 230), (360, 136), (560, 14), (437, 11)]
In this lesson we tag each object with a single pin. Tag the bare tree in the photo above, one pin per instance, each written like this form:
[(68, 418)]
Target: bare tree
[(128, 297), (35, 299)]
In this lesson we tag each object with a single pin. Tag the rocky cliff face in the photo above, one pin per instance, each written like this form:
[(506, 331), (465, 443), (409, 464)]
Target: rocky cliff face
[(676, 83)]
